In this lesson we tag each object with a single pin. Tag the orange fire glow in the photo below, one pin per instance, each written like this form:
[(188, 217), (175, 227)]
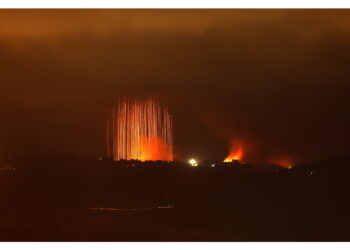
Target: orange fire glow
[(142, 130), (284, 162), (236, 152)]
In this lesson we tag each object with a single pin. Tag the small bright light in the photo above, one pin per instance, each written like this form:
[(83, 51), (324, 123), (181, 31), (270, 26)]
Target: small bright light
[(193, 162)]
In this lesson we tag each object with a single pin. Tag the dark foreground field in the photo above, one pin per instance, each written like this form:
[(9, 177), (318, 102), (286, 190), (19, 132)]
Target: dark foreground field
[(55, 200)]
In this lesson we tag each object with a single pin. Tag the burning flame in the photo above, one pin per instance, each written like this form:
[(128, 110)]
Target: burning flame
[(154, 149), (141, 130), (236, 152)]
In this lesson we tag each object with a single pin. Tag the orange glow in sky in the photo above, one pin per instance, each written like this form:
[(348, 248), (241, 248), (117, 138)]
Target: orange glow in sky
[(284, 162)]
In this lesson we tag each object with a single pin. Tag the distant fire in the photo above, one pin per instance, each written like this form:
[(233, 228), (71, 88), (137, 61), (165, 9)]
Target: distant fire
[(141, 130), (282, 162), (236, 152)]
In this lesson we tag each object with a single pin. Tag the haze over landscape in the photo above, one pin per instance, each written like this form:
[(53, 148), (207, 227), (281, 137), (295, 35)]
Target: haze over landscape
[(275, 79)]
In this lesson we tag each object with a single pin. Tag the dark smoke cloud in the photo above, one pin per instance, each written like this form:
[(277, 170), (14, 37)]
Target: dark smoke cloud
[(275, 79)]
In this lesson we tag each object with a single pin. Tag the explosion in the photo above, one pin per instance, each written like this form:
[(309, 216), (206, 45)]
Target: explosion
[(236, 152), (141, 130)]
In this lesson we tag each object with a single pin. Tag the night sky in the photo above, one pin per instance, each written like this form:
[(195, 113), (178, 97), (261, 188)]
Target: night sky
[(276, 80)]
